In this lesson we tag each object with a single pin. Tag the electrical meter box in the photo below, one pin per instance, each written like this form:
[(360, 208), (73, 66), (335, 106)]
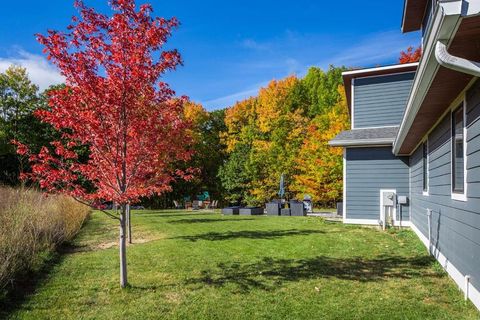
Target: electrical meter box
[(389, 199)]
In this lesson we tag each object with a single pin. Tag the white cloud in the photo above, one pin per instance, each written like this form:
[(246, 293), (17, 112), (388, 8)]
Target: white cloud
[(255, 45), (231, 99), (40, 71), (370, 50)]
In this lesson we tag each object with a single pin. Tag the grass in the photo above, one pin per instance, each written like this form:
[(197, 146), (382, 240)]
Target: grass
[(205, 266)]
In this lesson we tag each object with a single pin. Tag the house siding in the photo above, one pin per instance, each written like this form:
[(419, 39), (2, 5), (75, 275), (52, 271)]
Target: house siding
[(368, 171), (381, 100), (455, 225)]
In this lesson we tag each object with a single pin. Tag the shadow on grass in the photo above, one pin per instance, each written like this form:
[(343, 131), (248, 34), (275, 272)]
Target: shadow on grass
[(72, 248), (206, 220), (18, 292), (269, 273), (248, 234)]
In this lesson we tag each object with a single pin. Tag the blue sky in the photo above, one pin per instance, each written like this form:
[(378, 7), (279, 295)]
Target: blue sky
[(231, 48)]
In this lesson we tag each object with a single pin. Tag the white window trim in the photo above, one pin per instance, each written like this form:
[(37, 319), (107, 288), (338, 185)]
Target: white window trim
[(456, 195), (426, 192)]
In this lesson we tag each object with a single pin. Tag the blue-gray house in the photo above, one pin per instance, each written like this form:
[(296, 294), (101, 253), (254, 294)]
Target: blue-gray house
[(412, 156)]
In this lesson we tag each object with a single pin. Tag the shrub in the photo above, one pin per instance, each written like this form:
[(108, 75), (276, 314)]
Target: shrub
[(32, 225)]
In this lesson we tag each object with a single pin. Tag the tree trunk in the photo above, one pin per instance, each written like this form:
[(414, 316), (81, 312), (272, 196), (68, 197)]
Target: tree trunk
[(123, 247), (129, 224)]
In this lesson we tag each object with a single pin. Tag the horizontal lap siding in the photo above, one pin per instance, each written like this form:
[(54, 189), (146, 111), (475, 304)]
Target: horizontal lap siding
[(368, 171), (455, 229), (380, 101)]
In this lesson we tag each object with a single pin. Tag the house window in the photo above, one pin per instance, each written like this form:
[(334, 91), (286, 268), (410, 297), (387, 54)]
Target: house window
[(458, 150), (425, 167)]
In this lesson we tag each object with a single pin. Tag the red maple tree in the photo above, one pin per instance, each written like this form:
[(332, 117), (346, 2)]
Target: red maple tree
[(410, 55), (115, 105)]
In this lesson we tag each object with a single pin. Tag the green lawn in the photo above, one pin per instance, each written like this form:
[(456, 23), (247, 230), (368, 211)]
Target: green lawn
[(205, 266)]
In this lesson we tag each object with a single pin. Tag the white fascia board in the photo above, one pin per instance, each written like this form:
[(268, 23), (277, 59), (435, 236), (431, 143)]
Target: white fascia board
[(443, 28), (360, 142), (467, 8), (405, 5), (471, 8), (452, 7), (385, 68)]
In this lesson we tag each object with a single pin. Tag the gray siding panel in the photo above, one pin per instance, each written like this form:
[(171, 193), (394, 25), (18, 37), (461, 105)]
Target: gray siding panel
[(368, 171), (381, 101), (455, 226)]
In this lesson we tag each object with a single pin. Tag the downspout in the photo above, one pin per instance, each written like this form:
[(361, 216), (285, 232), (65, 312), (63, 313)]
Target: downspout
[(446, 60)]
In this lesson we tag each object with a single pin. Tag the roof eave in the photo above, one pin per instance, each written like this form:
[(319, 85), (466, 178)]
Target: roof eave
[(380, 70), (413, 14), (361, 142), (444, 26)]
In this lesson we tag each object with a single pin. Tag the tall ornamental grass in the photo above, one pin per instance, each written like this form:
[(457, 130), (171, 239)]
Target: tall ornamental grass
[(32, 226)]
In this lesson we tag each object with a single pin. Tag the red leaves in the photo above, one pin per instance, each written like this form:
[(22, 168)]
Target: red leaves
[(410, 55), (21, 148), (114, 105)]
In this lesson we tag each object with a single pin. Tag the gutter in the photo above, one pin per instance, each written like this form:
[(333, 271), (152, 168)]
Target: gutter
[(361, 142), (445, 23), (446, 60), (366, 71)]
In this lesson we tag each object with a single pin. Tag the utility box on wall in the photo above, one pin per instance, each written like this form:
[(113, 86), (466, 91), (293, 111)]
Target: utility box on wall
[(389, 199), (403, 200)]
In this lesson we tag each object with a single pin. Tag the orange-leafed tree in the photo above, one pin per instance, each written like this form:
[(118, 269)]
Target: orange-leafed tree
[(410, 55)]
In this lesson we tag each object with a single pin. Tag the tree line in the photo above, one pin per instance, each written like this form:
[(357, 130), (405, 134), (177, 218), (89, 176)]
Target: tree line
[(239, 152), (285, 131)]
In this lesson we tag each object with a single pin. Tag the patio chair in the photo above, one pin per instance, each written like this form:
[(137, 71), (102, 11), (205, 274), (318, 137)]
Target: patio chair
[(196, 205), (177, 204), (214, 204)]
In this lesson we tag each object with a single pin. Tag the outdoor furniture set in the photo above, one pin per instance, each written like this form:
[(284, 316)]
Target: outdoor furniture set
[(197, 204), (244, 211), (296, 208)]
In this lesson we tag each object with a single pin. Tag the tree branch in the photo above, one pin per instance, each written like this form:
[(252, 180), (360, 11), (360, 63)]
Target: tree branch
[(107, 213)]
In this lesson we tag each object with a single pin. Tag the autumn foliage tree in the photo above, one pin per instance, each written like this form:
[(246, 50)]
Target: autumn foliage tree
[(410, 55), (285, 130), (115, 104), (320, 166)]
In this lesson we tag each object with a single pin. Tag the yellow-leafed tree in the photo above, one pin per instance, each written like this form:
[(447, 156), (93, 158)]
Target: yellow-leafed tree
[(320, 166)]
